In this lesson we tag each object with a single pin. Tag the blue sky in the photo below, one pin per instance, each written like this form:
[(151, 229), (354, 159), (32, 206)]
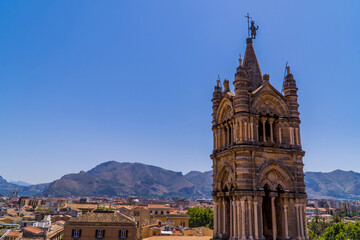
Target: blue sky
[(83, 82)]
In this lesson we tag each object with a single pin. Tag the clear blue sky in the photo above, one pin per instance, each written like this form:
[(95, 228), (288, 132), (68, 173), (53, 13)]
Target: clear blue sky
[(83, 82)]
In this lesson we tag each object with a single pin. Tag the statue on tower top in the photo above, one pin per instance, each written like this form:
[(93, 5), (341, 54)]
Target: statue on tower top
[(251, 29)]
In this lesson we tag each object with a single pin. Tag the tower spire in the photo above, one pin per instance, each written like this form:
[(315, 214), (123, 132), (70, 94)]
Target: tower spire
[(252, 66)]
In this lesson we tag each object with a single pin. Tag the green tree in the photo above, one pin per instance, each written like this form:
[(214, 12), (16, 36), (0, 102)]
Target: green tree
[(200, 217), (342, 231), (317, 227)]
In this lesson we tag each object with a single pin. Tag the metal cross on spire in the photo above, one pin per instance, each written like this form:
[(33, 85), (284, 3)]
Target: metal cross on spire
[(248, 20)]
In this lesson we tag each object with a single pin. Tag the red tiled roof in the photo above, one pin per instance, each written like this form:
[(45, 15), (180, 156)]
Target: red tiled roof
[(33, 230), (157, 206), (14, 234)]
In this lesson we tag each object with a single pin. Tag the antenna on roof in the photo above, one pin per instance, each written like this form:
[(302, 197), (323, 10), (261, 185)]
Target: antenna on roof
[(282, 90)]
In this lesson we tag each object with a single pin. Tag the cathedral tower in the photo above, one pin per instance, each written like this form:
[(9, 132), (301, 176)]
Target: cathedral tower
[(258, 179)]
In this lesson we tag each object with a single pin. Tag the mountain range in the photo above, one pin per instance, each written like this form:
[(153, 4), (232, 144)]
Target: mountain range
[(337, 184), (124, 179)]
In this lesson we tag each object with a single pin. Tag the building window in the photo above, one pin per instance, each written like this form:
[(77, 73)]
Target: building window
[(162, 212), (123, 234), (136, 213), (76, 233), (100, 233), (156, 212)]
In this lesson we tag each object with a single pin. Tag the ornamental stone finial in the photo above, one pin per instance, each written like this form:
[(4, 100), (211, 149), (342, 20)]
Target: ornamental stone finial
[(218, 81), (288, 70), (266, 77)]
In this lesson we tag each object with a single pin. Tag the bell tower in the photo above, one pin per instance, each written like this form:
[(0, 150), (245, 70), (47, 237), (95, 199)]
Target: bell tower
[(258, 179)]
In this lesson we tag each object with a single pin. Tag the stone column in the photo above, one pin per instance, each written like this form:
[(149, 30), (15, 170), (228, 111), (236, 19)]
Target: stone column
[(261, 219), (280, 137), (263, 120), (273, 213), (231, 220), (297, 136), (246, 131), (297, 220), (224, 216), (238, 218), (232, 132), (249, 201), (215, 218), (252, 131), (214, 138), (286, 222), (291, 135), (249, 131), (227, 134), (241, 132), (219, 216), (234, 218), (236, 131), (271, 122), (221, 135), (256, 223), (302, 222), (243, 235)]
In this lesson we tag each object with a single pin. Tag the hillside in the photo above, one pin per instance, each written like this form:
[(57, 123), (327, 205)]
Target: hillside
[(7, 188), (202, 180), (123, 179), (337, 184)]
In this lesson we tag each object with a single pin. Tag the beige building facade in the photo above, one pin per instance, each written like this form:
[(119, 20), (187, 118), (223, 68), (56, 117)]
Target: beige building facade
[(100, 226), (258, 179)]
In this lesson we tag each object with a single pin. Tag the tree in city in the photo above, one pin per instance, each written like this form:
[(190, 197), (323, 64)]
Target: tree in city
[(200, 217), (316, 227), (342, 231)]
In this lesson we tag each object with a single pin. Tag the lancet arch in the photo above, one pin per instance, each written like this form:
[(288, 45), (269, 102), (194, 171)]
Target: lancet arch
[(270, 103), (225, 111), (225, 177), (274, 174)]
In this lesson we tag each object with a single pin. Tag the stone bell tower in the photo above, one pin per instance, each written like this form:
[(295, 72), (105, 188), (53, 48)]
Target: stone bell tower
[(258, 178)]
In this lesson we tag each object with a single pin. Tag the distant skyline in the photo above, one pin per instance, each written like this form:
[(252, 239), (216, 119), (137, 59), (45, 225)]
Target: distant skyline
[(85, 82)]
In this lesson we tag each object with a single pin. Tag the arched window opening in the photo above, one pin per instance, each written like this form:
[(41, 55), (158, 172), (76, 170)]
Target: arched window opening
[(267, 131), (260, 131)]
